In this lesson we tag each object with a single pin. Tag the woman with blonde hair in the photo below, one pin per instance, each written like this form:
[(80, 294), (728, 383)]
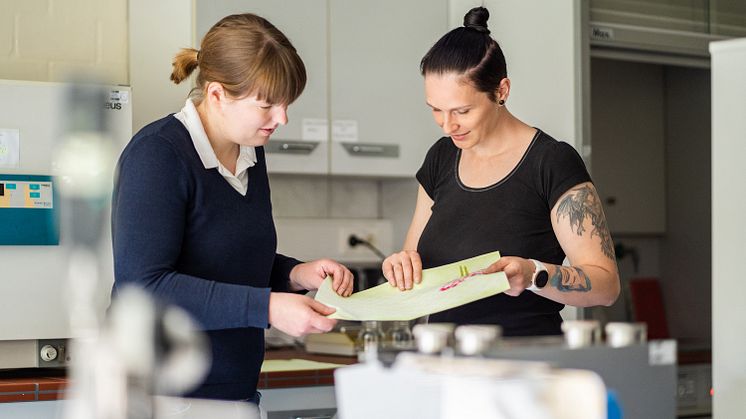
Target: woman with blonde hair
[(191, 214)]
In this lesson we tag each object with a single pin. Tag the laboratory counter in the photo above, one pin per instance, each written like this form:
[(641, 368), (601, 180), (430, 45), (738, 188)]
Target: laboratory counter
[(290, 367)]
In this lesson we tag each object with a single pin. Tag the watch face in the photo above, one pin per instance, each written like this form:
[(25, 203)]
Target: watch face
[(542, 277)]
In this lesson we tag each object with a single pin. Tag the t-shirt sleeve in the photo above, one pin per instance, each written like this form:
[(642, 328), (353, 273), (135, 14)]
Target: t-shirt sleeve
[(428, 172), (562, 169), (148, 217)]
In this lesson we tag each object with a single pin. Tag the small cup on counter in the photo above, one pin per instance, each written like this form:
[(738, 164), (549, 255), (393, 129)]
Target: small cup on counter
[(581, 333), (474, 339), (433, 338), (620, 334)]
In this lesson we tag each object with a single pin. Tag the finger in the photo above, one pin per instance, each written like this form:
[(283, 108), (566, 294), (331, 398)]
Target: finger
[(399, 276), (388, 272), (408, 275), (321, 308), (497, 266), (348, 284), (322, 323), (416, 267), (337, 278)]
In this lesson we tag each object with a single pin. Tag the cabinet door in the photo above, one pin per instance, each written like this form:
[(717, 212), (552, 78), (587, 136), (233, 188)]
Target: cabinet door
[(304, 23), (629, 138), (547, 61), (378, 109)]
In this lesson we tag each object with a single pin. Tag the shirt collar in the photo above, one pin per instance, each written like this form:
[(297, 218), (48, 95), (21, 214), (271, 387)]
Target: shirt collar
[(190, 118)]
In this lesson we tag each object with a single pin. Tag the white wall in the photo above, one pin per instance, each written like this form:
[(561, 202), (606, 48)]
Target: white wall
[(47, 40), (163, 25), (728, 227)]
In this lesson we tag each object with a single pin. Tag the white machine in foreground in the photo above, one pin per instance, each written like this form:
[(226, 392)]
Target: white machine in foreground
[(440, 387)]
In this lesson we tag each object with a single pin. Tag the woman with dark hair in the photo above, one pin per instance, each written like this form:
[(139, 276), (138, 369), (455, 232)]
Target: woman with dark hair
[(496, 183), (191, 212)]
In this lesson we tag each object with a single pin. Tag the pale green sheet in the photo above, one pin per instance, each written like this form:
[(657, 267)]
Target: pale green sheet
[(385, 302), (275, 365)]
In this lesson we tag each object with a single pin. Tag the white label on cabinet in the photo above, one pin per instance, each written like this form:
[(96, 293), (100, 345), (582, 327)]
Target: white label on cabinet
[(10, 147), (121, 96), (344, 130), (314, 129)]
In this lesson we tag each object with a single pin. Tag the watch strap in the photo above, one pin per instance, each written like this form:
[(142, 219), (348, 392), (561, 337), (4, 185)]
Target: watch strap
[(538, 268)]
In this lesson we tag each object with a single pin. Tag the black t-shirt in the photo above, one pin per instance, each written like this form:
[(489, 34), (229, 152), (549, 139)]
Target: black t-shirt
[(512, 216)]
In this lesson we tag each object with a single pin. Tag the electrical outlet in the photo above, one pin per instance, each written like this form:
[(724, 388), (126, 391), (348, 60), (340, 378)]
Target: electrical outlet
[(368, 234), (310, 239)]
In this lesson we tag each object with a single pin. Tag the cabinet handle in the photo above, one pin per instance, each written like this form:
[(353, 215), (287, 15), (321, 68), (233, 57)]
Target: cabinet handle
[(314, 417), (291, 147), (372, 149)]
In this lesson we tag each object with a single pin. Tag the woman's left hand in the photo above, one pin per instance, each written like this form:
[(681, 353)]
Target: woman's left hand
[(518, 270), (311, 275)]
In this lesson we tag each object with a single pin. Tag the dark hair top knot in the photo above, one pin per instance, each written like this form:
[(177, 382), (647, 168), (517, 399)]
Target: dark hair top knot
[(476, 19)]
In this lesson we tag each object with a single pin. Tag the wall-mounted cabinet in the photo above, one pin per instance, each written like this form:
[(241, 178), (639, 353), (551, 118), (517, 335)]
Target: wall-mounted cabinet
[(305, 23), (720, 17), (363, 110), (376, 83)]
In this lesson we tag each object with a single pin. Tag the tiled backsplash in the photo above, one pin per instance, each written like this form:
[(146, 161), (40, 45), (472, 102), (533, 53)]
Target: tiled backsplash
[(321, 197)]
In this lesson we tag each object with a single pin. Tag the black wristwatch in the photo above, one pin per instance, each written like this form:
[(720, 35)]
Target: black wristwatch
[(540, 277)]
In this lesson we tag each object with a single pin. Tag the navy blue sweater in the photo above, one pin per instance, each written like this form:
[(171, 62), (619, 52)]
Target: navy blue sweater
[(181, 232)]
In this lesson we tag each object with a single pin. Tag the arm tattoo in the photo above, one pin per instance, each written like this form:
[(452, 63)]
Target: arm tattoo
[(583, 202), (570, 279)]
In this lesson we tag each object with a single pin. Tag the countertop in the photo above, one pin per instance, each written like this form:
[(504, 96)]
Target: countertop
[(50, 384)]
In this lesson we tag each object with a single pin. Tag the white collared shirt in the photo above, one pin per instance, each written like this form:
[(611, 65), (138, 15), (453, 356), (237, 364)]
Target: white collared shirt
[(246, 156)]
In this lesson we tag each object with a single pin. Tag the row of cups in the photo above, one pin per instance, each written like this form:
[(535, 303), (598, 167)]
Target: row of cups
[(582, 333), (475, 339), (471, 339)]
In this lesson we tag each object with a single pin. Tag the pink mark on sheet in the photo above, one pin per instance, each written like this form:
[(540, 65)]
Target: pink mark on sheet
[(458, 281)]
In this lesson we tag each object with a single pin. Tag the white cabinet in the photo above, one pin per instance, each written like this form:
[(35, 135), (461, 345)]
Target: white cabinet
[(362, 59), (546, 57), (376, 48), (304, 22)]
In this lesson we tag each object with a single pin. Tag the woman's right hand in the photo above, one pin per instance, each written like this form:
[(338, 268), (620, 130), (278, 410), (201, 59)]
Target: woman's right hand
[(299, 315), (403, 269)]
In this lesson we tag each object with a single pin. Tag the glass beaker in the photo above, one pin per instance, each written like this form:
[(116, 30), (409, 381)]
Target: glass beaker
[(370, 335), (400, 335)]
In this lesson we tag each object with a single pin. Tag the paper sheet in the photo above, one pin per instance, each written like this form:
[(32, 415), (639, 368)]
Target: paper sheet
[(441, 288), (275, 365)]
